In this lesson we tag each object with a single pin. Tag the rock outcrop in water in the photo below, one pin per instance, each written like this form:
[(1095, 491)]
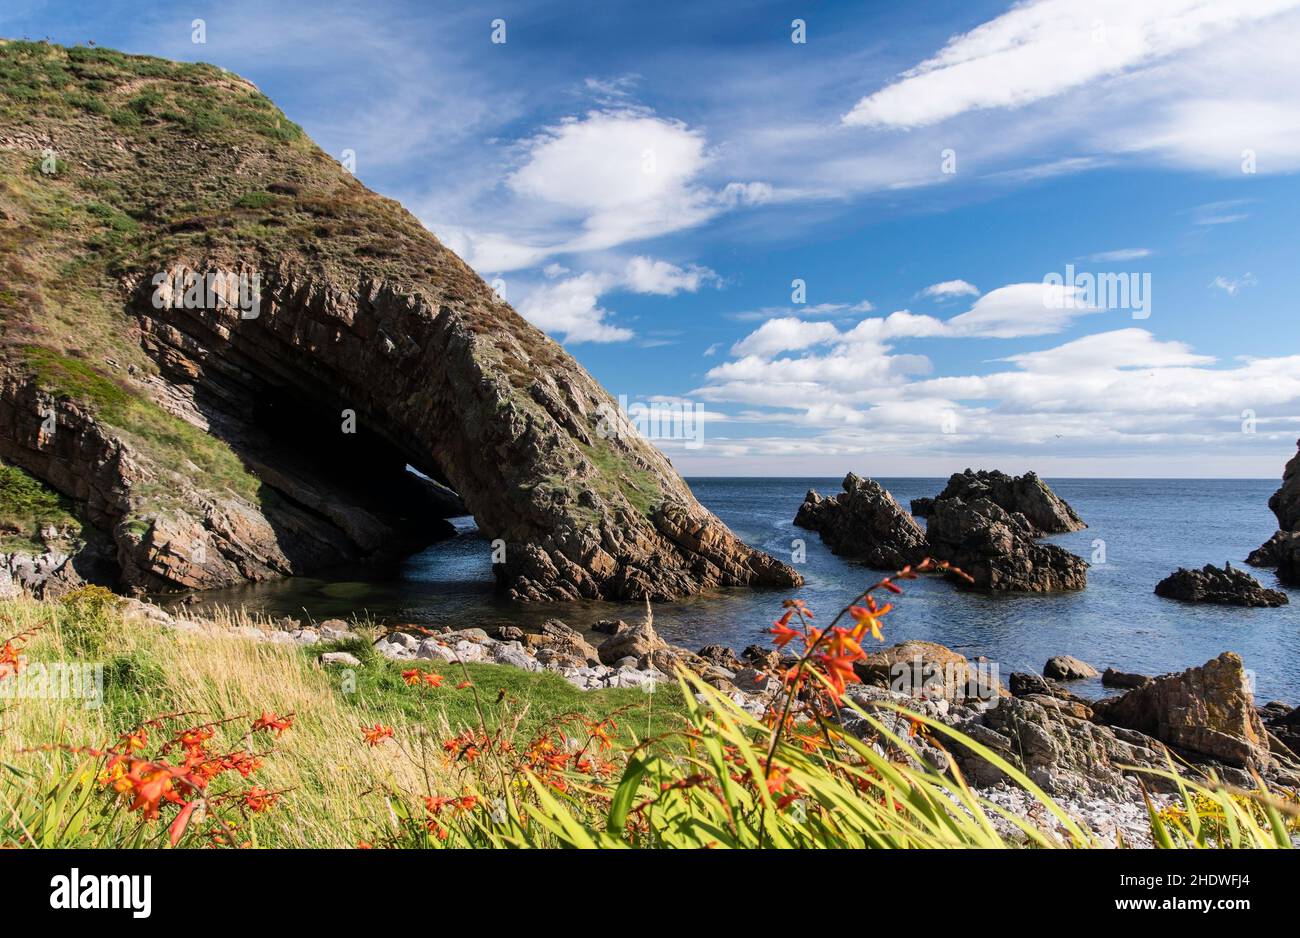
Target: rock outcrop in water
[(997, 549), (864, 523), (1282, 550), (262, 347), (1222, 585), (986, 523), (1026, 495)]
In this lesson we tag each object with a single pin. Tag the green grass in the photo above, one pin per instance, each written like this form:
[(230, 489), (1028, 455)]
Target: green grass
[(26, 503), (537, 698), (169, 439)]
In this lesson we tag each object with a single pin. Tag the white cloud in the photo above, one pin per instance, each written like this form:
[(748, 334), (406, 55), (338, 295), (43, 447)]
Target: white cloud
[(1041, 49), (1021, 309), (644, 275), (592, 183), (1233, 285), (951, 288), (784, 335), (1112, 395), (1122, 254), (571, 307)]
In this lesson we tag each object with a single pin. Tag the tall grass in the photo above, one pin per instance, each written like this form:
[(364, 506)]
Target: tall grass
[(466, 762)]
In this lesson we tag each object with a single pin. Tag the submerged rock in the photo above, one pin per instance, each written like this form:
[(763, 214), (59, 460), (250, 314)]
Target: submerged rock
[(1113, 678), (1068, 668), (1224, 586), (864, 523)]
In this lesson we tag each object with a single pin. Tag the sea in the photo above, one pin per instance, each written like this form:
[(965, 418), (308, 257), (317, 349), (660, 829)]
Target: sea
[(1139, 531)]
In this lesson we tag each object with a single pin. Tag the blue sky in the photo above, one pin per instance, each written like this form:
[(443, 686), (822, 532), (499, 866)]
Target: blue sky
[(647, 182)]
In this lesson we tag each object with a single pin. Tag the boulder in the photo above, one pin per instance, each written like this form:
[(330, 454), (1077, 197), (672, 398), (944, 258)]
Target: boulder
[(721, 656), (997, 549), (763, 657), (864, 523), (1112, 678), (1206, 711), (563, 640), (926, 669), (340, 657), (1067, 668), (1225, 586), (1026, 495), (609, 626)]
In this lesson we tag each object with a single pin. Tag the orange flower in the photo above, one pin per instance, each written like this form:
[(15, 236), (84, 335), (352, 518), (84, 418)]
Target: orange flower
[(433, 680), (781, 629), (411, 677), (376, 734), (135, 740), (868, 622), (258, 800), (463, 684), (269, 721), (797, 605)]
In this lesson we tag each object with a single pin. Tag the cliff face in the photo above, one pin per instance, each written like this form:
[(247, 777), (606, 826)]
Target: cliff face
[(227, 351), (1282, 550)]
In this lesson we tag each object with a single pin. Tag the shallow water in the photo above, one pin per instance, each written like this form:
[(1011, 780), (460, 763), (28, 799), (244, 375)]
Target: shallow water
[(1150, 527)]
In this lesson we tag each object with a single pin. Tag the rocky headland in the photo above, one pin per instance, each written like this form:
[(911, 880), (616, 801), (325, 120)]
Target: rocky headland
[(261, 346)]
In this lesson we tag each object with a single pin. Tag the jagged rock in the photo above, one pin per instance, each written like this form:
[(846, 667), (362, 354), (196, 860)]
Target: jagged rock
[(370, 348), (864, 523), (1225, 586), (1059, 751), (922, 507), (1271, 552), (1068, 668), (1207, 710), (721, 656), (1282, 550), (998, 550), (1284, 723), (1285, 502), (1023, 684), (1026, 495), (763, 657), (1112, 678)]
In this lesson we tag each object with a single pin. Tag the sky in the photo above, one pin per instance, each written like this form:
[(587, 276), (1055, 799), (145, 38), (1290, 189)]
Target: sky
[(894, 238)]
